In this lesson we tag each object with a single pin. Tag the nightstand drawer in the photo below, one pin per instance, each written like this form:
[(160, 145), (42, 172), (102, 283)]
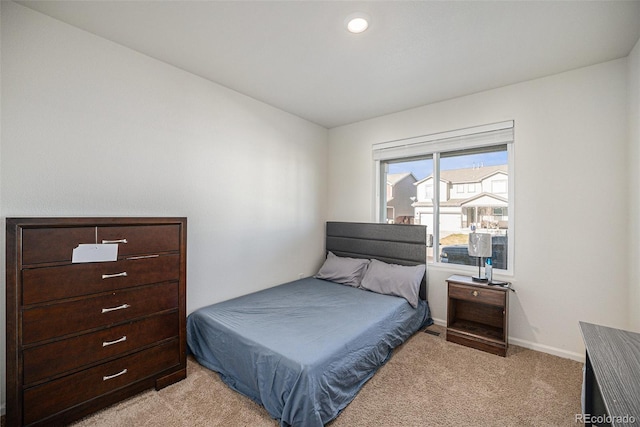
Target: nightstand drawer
[(480, 295)]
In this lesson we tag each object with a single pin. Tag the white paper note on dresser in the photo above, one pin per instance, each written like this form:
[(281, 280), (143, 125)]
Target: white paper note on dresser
[(95, 252)]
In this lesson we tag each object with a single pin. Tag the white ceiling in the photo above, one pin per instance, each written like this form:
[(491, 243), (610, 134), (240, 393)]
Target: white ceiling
[(297, 55)]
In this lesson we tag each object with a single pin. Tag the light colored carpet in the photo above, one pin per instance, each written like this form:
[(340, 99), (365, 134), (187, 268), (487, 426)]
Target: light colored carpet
[(427, 382)]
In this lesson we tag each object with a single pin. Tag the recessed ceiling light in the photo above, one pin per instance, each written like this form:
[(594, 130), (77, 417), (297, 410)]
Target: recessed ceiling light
[(357, 22)]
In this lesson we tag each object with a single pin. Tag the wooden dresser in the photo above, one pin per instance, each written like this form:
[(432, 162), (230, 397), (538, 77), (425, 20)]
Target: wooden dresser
[(82, 336)]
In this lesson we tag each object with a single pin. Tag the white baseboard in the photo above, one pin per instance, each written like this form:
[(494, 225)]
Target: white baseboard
[(548, 349), (440, 322), (534, 346)]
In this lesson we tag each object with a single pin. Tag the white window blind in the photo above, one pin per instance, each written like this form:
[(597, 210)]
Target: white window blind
[(473, 137)]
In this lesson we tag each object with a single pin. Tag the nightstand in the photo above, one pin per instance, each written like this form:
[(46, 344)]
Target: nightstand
[(477, 314)]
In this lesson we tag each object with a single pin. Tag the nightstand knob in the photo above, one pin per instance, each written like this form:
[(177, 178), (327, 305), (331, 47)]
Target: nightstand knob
[(474, 293)]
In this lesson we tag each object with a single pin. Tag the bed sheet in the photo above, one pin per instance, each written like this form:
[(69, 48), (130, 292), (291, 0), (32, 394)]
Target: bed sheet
[(303, 349)]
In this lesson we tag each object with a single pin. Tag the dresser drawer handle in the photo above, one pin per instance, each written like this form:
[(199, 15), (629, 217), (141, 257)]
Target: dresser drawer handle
[(474, 293), (108, 343), (120, 307), (108, 377), (110, 276), (115, 241), (142, 257)]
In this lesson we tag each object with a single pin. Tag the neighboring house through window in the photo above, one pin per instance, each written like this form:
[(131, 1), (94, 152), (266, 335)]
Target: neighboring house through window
[(453, 183), (400, 190)]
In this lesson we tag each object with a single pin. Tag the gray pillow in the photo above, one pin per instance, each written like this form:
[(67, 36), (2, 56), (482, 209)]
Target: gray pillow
[(347, 271), (393, 279)]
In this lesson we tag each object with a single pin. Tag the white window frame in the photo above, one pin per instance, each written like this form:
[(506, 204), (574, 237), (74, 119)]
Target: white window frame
[(500, 133)]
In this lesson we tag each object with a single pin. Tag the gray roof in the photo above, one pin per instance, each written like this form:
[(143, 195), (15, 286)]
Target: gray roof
[(460, 202), (394, 178), (467, 175)]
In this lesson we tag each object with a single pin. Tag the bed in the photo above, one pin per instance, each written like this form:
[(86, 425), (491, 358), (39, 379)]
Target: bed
[(304, 349)]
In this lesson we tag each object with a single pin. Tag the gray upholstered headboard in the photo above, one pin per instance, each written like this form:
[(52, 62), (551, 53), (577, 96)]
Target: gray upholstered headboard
[(391, 243)]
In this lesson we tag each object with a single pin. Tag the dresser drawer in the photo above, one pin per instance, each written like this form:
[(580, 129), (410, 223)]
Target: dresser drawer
[(56, 244), (48, 399), (69, 317), (52, 359), (476, 294), (142, 239), (67, 281)]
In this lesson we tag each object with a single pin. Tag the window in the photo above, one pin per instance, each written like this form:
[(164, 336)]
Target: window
[(499, 186), (428, 191), (443, 166)]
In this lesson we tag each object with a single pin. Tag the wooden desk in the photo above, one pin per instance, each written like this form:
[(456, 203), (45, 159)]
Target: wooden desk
[(612, 376)]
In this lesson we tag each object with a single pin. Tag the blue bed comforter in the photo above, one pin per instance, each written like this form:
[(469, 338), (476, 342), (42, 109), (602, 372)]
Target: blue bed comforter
[(303, 349)]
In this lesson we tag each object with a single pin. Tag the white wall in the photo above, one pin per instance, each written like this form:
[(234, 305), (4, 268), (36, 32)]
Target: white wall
[(90, 128), (571, 133), (634, 168)]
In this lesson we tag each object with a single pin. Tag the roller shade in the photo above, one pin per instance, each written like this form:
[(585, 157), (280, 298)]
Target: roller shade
[(474, 137)]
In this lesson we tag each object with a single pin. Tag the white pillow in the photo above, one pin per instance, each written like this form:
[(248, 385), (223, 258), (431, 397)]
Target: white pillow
[(347, 271), (393, 279)]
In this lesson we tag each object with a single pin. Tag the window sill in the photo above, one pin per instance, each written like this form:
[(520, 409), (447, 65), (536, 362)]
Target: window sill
[(466, 270)]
